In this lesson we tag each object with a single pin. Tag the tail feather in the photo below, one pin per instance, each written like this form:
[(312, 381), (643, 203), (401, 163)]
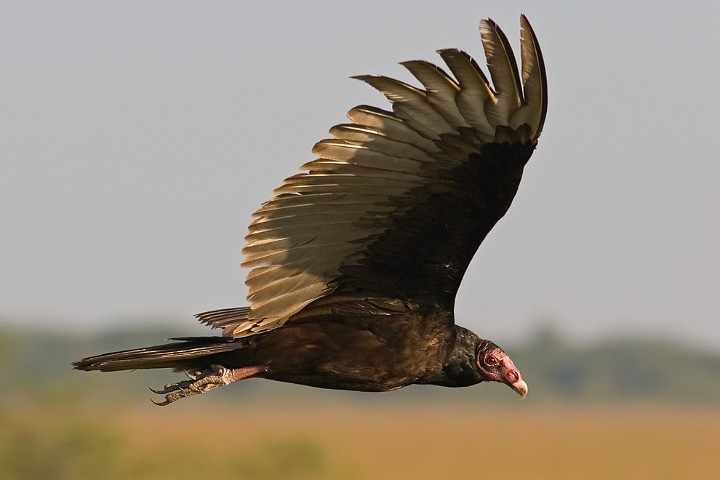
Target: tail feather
[(177, 355)]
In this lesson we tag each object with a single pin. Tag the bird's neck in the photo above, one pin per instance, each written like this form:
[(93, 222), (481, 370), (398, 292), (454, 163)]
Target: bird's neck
[(459, 369)]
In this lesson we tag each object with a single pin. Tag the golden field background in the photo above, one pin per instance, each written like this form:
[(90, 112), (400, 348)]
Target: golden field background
[(208, 440)]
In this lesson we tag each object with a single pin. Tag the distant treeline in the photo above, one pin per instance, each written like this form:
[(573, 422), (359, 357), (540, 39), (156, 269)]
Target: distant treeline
[(36, 365)]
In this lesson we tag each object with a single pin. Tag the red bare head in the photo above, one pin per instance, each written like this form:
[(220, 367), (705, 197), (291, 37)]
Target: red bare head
[(495, 366)]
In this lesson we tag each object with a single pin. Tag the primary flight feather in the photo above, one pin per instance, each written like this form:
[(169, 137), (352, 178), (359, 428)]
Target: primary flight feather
[(356, 261)]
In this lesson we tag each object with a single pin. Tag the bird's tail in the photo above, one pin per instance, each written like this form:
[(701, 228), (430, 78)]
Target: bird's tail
[(179, 355)]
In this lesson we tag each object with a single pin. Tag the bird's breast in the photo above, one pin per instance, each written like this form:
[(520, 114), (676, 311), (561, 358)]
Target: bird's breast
[(367, 356)]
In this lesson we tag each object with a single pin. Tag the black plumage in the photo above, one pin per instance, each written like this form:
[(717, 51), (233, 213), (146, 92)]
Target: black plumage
[(356, 261)]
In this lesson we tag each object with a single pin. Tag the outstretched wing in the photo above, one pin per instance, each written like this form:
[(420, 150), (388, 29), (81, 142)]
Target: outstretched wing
[(397, 203)]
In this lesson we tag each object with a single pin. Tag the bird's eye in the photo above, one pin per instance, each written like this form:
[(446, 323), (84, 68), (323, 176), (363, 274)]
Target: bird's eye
[(490, 360)]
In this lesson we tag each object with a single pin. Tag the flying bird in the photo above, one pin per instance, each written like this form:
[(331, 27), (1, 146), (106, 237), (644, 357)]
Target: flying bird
[(356, 261)]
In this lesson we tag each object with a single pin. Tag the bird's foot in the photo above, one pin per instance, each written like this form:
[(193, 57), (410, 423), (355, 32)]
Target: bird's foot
[(202, 381)]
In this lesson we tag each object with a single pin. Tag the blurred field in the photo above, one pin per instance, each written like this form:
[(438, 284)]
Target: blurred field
[(358, 442)]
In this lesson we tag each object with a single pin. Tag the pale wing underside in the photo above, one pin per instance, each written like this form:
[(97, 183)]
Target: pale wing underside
[(369, 177)]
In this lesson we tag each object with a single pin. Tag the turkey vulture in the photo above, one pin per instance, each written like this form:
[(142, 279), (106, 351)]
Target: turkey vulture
[(357, 260)]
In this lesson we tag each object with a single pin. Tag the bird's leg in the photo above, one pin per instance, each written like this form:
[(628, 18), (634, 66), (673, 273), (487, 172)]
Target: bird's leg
[(202, 381)]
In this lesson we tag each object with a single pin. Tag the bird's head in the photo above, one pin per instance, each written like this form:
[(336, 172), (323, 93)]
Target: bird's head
[(474, 360), (494, 365)]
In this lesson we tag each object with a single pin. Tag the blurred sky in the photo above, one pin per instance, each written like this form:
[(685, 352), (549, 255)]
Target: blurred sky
[(137, 137)]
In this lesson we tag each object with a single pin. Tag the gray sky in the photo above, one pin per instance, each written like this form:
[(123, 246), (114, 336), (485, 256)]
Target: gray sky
[(137, 138)]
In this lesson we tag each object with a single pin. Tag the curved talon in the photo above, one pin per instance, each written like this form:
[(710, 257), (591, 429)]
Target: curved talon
[(172, 387), (192, 375)]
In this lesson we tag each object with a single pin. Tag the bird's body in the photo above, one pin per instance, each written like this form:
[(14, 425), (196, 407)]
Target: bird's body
[(357, 261), (354, 352)]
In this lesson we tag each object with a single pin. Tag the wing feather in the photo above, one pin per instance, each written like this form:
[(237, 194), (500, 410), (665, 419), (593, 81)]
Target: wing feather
[(534, 81), (475, 91), (393, 127), (504, 73), (410, 104), (440, 90)]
